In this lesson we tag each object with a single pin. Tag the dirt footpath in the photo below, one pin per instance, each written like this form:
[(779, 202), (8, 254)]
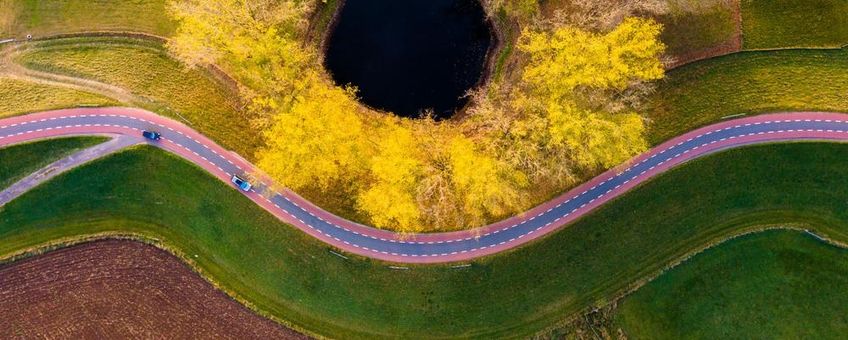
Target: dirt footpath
[(115, 289)]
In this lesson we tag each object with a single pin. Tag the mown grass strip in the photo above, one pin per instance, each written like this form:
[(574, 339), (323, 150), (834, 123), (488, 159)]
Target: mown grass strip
[(20, 160), (774, 284), (296, 278), (19, 96), (748, 83), (43, 18)]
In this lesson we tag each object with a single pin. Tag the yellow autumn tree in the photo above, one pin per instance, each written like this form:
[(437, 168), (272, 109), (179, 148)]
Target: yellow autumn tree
[(312, 131), (396, 169), (570, 57), (567, 62), (257, 41), (320, 140), (488, 188), (595, 139), (425, 175)]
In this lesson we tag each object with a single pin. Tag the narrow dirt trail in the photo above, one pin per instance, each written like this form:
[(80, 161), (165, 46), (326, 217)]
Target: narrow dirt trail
[(9, 68)]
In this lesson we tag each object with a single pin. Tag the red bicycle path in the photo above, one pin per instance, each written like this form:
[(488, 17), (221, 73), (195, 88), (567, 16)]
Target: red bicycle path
[(425, 240)]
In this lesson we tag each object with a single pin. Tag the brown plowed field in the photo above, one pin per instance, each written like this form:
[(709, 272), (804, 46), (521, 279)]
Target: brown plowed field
[(114, 289)]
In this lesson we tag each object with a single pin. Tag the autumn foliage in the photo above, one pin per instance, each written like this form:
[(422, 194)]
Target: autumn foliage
[(570, 114), (567, 62)]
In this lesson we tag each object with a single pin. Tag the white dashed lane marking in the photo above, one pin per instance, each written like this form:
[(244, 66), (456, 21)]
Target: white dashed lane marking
[(623, 174)]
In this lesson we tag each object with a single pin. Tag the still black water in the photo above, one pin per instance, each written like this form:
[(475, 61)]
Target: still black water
[(407, 56)]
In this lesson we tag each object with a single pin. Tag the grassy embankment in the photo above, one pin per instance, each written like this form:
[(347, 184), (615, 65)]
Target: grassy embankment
[(18, 97), (321, 21), (776, 284), (294, 277), (160, 83), (794, 23), (45, 18), (748, 83), (18, 161), (699, 28), (753, 82), (140, 66)]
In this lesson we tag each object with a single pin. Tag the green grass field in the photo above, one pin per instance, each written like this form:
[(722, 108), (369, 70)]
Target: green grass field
[(164, 85), (692, 26), (17, 97), (794, 23), (292, 276), (18, 161), (44, 18), (748, 83), (771, 285)]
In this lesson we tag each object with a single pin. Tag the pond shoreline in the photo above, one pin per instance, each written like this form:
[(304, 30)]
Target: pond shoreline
[(496, 45)]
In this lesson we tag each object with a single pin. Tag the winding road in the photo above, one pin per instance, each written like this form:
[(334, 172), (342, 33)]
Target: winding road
[(437, 247)]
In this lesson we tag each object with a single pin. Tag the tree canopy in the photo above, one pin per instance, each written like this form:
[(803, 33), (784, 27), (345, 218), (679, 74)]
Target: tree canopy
[(567, 62), (568, 113)]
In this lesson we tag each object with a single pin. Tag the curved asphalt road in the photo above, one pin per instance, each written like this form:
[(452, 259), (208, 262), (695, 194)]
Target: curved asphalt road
[(438, 247)]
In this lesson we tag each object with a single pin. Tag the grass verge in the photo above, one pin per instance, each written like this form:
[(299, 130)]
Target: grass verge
[(774, 284), (18, 97), (20, 160), (748, 83), (43, 18), (794, 23), (294, 277)]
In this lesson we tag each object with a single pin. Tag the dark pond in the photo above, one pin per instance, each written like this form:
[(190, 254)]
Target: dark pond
[(406, 56)]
